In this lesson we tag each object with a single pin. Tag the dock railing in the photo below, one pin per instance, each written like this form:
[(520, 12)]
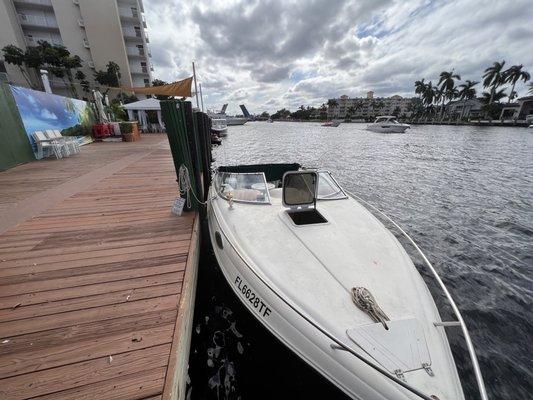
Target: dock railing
[(460, 321)]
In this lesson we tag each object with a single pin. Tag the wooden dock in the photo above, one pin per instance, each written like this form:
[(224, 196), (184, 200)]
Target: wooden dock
[(97, 276)]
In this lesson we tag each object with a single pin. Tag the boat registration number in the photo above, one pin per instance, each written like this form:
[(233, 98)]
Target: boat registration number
[(249, 295)]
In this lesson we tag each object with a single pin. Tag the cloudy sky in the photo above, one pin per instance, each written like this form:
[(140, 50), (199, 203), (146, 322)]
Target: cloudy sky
[(272, 54)]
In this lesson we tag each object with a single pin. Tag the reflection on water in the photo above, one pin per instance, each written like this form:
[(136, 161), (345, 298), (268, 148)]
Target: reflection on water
[(465, 194)]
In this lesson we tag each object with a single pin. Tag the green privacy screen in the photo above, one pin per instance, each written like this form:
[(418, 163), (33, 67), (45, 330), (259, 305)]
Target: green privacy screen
[(15, 147)]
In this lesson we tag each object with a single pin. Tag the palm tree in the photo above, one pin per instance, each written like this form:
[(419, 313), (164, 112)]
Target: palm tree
[(493, 77), (467, 92), (332, 103), (428, 94), (350, 112), (446, 86), (512, 76), (496, 96), (420, 86)]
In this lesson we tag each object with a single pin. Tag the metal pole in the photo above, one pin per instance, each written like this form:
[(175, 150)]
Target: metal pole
[(195, 87), (201, 96)]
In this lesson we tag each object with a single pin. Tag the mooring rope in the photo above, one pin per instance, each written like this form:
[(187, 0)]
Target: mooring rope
[(184, 184), (364, 300)]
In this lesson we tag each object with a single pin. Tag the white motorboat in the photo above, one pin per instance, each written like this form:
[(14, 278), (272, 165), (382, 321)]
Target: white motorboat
[(332, 124), (231, 121), (387, 124), (219, 126), (326, 277)]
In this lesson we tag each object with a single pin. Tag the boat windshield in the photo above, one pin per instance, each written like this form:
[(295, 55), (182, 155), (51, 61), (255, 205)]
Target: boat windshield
[(328, 189), (245, 187)]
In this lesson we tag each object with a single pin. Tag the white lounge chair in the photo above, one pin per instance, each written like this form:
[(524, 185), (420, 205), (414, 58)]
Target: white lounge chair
[(45, 146), (71, 142), (59, 141)]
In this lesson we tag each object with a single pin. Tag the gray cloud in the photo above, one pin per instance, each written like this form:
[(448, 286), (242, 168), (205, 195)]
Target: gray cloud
[(274, 53)]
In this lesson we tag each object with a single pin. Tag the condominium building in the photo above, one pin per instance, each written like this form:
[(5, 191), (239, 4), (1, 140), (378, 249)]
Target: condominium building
[(368, 107), (98, 31)]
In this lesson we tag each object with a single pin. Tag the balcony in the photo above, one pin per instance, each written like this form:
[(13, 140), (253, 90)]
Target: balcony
[(38, 21), (135, 52), (86, 43), (37, 4), (34, 41), (129, 14), (132, 34), (139, 70)]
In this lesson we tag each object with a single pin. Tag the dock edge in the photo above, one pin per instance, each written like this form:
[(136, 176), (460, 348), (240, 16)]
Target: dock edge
[(176, 376)]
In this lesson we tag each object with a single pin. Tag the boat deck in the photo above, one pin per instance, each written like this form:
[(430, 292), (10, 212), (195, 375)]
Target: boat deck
[(97, 277)]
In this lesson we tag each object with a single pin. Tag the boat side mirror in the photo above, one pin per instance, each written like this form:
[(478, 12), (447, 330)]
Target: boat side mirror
[(300, 188)]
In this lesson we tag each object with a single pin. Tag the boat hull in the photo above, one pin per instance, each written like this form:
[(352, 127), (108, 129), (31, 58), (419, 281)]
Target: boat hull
[(235, 121), (220, 131), (393, 128), (292, 326)]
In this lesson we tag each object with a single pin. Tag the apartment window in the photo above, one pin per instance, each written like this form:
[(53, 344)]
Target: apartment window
[(147, 82), (143, 67), (134, 12), (137, 31), (140, 47)]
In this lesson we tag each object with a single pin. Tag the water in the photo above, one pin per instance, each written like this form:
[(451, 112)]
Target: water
[(465, 195)]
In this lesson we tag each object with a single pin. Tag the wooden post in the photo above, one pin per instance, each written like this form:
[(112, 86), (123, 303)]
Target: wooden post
[(173, 112)]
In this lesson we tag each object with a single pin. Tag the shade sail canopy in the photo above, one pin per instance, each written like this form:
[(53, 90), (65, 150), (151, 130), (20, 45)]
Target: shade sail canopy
[(146, 104), (180, 88)]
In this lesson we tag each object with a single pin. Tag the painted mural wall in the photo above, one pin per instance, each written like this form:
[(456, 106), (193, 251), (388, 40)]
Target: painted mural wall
[(40, 111)]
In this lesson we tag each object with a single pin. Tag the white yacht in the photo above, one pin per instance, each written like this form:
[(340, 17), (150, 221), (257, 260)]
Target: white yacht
[(235, 120), (387, 124), (219, 126), (323, 274)]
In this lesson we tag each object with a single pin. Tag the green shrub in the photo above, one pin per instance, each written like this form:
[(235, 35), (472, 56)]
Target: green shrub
[(126, 127)]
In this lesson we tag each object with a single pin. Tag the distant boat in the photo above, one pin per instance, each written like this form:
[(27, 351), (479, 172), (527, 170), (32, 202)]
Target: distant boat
[(531, 126), (387, 124), (270, 120), (333, 124), (230, 121), (219, 126)]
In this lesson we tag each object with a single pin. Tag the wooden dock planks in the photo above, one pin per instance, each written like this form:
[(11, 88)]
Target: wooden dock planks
[(91, 285)]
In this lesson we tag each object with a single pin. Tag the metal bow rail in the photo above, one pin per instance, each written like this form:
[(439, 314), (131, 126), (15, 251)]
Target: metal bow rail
[(460, 322)]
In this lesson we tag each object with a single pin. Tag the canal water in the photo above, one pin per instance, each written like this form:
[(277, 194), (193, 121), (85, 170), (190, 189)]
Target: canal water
[(465, 194)]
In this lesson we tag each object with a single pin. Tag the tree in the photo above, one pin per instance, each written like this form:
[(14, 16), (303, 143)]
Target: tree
[(332, 103), (281, 114), (350, 112), (396, 112), (420, 86), (428, 95), (446, 87), (467, 92), (493, 78), (265, 115), (14, 55), (110, 77), (492, 107), (512, 76), (159, 82), (54, 58), (84, 83)]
